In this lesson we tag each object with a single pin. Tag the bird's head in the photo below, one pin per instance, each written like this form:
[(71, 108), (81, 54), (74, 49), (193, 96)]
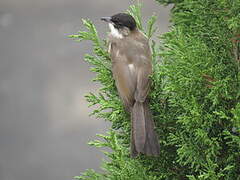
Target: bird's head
[(120, 24)]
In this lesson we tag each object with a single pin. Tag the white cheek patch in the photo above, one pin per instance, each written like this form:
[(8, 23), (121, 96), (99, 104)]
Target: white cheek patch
[(114, 32)]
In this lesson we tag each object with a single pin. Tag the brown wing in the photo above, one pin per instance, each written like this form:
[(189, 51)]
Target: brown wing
[(143, 82), (132, 83), (143, 64), (125, 80)]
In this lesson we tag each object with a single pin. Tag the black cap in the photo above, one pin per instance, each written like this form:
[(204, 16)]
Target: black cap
[(121, 20)]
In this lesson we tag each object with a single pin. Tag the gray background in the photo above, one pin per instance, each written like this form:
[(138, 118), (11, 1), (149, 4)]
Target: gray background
[(44, 123)]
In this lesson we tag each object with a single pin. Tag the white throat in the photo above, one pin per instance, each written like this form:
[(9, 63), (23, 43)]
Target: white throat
[(114, 31)]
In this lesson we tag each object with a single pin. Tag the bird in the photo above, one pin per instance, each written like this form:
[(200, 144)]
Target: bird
[(131, 58)]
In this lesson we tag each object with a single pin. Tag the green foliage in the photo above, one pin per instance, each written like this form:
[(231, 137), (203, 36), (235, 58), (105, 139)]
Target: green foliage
[(201, 66), (121, 166), (194, 96)]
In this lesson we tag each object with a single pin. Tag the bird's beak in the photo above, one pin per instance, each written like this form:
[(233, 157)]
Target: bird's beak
[(106, 19)]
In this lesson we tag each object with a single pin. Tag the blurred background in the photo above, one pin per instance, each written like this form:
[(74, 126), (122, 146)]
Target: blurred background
[(44, 122)]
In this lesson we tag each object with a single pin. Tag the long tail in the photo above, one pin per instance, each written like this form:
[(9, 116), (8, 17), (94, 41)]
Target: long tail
[(143, 139)]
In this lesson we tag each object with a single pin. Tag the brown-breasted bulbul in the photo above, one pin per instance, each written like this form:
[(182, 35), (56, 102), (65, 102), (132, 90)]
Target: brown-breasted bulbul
[(131, 67)]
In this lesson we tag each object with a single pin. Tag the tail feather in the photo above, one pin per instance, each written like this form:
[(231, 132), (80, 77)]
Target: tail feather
[(152, 143), (144, 138)]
